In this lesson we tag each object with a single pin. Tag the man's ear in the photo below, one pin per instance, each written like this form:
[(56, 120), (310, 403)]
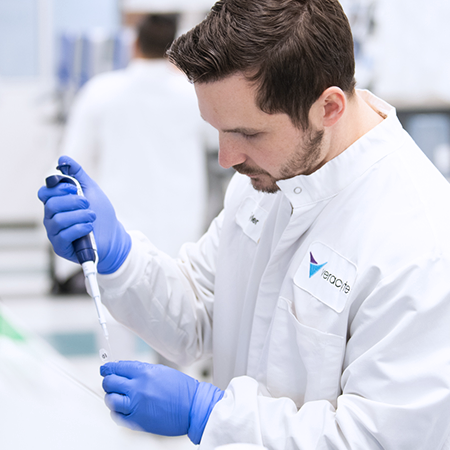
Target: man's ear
[(330, 106)]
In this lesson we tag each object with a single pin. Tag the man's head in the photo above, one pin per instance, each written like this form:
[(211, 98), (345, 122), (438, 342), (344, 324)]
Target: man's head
[(291, 49), (266, 147), (155, 34)]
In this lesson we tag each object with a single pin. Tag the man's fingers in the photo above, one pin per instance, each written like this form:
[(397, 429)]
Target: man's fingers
[(118, 403)]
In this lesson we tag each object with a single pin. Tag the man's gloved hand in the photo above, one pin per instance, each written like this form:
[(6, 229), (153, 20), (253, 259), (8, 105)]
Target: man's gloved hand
[(158, 399), (69, 216)]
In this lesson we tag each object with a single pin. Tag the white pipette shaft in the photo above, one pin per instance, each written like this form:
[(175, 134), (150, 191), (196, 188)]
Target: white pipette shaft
[(90, 273)]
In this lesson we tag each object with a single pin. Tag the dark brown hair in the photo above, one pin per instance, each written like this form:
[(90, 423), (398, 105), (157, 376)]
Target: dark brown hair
[(155, 33), (291, 49)]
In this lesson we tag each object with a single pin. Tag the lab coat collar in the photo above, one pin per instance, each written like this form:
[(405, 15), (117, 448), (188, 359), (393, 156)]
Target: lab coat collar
[(341, 171)]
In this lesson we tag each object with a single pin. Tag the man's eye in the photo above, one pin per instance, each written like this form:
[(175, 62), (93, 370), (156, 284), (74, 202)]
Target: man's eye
[(249, 136)]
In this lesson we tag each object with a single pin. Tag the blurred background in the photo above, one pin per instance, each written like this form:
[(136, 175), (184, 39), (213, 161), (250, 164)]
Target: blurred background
[(49, 50)]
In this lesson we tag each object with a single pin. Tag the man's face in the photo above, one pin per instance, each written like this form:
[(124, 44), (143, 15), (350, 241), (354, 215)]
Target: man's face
[(265, 147)]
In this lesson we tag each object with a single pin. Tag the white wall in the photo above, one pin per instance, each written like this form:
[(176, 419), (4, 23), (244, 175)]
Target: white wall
[(82, 15), (28, 131), (412, 54), (27, 139), (167, 5)]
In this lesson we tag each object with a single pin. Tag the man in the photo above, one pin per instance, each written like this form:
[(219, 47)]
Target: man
[(321, 289), (131, 125)]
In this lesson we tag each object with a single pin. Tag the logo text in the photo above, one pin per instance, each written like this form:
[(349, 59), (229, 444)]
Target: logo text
[(336, 282)]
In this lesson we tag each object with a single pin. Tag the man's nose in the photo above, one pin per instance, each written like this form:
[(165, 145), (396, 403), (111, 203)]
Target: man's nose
[(230, 153)]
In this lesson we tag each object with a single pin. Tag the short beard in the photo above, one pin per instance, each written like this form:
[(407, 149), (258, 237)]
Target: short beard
[(269, 188), (305, 161)]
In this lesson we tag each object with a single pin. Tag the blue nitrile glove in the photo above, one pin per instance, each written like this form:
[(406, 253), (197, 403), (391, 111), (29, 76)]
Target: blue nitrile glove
[(158, 399), (69, 216)]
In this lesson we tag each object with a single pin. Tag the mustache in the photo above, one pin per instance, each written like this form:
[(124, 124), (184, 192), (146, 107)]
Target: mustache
[(245, 169)]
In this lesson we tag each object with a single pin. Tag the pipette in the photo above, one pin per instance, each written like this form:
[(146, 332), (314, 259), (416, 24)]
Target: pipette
[(85, 248)]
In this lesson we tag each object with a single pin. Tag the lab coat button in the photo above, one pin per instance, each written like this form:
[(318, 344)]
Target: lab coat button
[(298, 190)]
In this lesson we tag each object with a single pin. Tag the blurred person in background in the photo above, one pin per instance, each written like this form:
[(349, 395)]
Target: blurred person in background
[(139, 132)]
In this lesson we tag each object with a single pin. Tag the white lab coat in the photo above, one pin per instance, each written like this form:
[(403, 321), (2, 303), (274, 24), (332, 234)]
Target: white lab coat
[(326, 306), (139, 134)]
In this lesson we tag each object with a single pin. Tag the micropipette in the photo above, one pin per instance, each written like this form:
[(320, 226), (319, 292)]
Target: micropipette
[(85, 248)]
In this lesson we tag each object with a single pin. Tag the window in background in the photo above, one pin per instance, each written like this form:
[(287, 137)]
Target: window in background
[(19, 53)]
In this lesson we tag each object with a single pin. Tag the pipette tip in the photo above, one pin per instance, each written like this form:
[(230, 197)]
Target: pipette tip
[(105, 331)]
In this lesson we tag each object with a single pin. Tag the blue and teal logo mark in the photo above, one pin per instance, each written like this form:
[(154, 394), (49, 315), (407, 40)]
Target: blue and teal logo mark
[(314, 266)]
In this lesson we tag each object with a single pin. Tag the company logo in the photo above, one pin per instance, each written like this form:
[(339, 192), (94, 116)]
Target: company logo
[(314, 266)]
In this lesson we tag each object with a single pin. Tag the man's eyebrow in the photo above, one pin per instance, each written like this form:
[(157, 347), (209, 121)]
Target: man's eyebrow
[(242, 130)]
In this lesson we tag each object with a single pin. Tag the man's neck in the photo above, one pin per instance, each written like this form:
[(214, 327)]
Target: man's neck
[(358, 120)]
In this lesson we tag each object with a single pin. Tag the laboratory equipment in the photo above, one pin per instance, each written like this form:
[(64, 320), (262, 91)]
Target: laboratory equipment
[(85, 249), (104, 356)]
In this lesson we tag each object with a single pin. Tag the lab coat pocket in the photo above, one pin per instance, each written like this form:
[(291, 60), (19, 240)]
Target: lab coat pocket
[(251, 218), (300, 362)]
